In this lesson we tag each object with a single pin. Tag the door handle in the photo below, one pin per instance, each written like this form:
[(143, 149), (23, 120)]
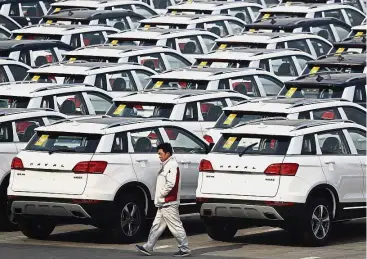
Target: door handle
[(141, 160), (330, 162)]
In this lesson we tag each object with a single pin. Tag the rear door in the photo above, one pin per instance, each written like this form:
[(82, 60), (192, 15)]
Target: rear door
[(7, 147), (209, 112)]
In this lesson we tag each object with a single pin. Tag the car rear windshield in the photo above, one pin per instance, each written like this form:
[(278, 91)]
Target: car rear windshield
[(178, 83), (334, 67), (91, 58), (64, 142), (251, 45), (140, 110), (253, 144), (54, 78), (229, 119), (14, 102), (265, 15), (22, 36), (316, 92), (221, 63)]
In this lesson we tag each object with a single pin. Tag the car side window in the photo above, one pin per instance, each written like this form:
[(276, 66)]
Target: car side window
[(189, 45), (191, 112), (284, 66), (356, 115), (75, 41), (101, 82), (355, 17), (360, 94), (324, 31), (146, 140), (24, 128), (264, 64), (144, 11), (359, 139), (271, 85), (302, 61), (31, 9), (121, 81), (43, 57), (320, 47), (99, 102), (245, 85), (208, 41), (19, 72), (47, 102), (326, 114), (143, 77), (333, 143), (120, 144), (71, 104), (336, 13), (218, 28), (3, 75), (14, 9), (6, 132), (342, 32), (304, 115), (175, 61), (135, 22), (242, 13), (299, 44), (25, 57), (212, 109), (183, 142), (308, 145), (93, 38), (153, 61), (235, 26)]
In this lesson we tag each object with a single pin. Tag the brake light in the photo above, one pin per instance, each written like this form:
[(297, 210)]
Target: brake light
[(90, 167), (208, 138), (289, 169), (205, 166), (17, 164)]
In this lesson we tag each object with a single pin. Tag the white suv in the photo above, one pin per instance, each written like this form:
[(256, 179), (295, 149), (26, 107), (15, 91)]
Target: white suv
[(105, 170), (16, 129), (300, 175)]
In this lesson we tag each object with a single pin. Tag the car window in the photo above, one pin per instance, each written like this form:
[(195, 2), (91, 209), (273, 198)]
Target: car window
[(143, 77), (283, 66), (320, 47), (25, 128), (341, 31), (299, 44), (72, 104), (359, 139), (308, 145), (75, 41), (333, 143), (264, 64), (324, 31), (25, 57), (146, 140), (336, 13), (144, 11), (191, 112), (31, 9), (135, 22), (235, 26), (92, 38), (245, 85), (121, 81), (302, 61), (14, 9), (360, 94), (326, 114), (241, 13), (161, 4), (100, 103), (271, 86), (356, 115), (355, 17), (153, 61), (175, 61), (19, 72), (217, 28), (304, 115), (3, 75), (6, 132), (43, 57), (189, 45), (208, 41), (212, 109), (47, 102), (120, 143), (183, 142)]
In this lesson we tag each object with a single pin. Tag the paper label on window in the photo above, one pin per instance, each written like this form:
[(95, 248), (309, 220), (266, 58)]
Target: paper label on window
[(19, 37), (41, 140), (203, 63), (252, 30), (119, 109), (147, 26), (266, 16), (222, 46), (230, 118), (72, 59), (359, 34), (173, 12), (114, 42), (291, 92), (288, 3), (58, 9), (49, 22), (158, 84), (314, 70), (229, 142), (340, 50), (35, 78)]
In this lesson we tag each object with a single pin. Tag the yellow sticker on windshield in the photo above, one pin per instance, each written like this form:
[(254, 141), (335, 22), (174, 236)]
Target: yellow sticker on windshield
[(266, 16), (230, 118), (291, 92), (58, 9), (71, 60), (158, 84), (114, 42), (359, 34), (19, 37), (339, 50), (173, 12), (252, 30), (146, 27), (35, 78), (41, 140), (49, 22), (314, 70), (222, 46), (119, 109), (229, 142), (203, 63), (288, 3)]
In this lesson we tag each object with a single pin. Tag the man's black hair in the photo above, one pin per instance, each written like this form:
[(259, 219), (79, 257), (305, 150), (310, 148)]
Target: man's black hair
[(166, 147)]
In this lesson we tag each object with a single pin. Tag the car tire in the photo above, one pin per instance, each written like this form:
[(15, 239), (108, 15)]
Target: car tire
[(317, 222), (220, 230), (36, 229), (129, 219), (5, 222)]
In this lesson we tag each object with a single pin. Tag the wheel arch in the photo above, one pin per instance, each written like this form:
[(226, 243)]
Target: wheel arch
[(327, 190)]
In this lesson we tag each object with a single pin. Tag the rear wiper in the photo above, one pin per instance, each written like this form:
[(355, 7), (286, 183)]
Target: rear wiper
[(247, 148), (60, 150)]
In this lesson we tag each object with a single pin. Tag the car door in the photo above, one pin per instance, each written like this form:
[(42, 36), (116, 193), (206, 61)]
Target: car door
[(8, 149), (143, 152), (24, 130), (188, 151), (209, 112), (341, 167)]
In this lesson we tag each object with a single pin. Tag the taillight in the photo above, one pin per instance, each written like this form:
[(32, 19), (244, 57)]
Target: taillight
[(205, 166), (282, 169), (90, 167), (208, 138), (17, 164)]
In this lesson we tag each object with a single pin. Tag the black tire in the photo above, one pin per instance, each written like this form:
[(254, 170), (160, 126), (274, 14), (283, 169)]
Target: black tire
[(36, 229), (5, 223), (129, 227), (313, 233), (220, 230)]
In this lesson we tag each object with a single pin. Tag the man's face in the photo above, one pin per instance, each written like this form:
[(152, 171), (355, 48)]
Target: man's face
[(162, 155)]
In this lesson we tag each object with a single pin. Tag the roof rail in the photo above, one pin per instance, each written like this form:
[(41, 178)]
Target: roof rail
[(78, 118), (318, 73), (18, 83), (121, 123), (70, 10), (303, 102), (63, 62), (260, 120), (18, 111), (313, 123)]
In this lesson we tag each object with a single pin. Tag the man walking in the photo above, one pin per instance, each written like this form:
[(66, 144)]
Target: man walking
[(167, 200)]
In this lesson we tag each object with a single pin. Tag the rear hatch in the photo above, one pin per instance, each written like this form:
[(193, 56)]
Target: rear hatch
[(48, 162), (232, 174)]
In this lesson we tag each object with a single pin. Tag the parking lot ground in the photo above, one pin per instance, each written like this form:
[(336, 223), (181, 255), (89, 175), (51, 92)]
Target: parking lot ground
[(348, 240)]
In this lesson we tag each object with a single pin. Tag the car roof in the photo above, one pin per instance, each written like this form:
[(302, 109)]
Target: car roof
[(299, 7), (185, 18), (14, 113), (159, 33), (61, 29), (210, 5), (4, 61), (175, 95), (344, 58), (70, 14), (352, 42), (16, 45), (333, 79), (95, 3), (292, 23)]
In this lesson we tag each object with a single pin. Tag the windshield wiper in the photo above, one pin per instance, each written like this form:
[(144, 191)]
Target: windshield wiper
[(60, 150), (247, 148)]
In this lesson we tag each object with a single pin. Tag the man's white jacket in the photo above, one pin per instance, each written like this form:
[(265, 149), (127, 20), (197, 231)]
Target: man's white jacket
[(168, 187)]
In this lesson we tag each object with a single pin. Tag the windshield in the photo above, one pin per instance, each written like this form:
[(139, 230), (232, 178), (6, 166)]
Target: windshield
[(64, 142), (316, 92), (140, 110), (251, 45), (332, 67), (229, 119), (222, 63), (14, 102), (55, 78), (267, 15), (21, 36), (177, 83), (260, 144)]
